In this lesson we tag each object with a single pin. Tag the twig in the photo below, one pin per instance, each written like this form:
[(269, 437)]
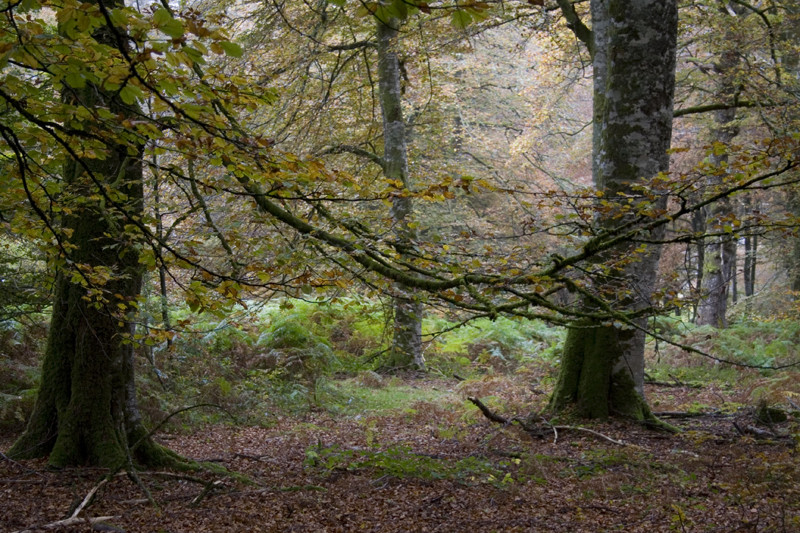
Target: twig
[(494, 417), (67, 522), (593, 432), (87, 500), (210, 486), (166, 419), (4, 457)]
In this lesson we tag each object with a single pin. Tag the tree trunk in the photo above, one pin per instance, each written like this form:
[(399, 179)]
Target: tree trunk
[(698, 229), (749, 269), (166, 324), (406, 350), (602, 367), (721, 248), (86, 411)]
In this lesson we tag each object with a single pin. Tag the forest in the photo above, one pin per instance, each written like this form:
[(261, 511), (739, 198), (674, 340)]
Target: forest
[(397, 265)]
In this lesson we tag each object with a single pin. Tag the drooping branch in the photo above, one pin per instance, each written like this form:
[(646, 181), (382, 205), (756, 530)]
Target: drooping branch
[(355, 150)]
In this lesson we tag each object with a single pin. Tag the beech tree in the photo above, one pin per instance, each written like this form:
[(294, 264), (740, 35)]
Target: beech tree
[(407, 332), (719, 257), (633, 45), (74, 136), (86, 410)]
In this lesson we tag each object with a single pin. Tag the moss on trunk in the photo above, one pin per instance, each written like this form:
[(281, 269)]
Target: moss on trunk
[(86, 411), (586, 379)]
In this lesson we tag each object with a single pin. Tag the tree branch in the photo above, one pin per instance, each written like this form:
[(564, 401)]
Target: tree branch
[(355, 150), (717, 107), (574, 23)]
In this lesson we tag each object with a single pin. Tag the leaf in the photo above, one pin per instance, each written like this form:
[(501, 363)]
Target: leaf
[(231, 49), (168, 24), (460, 19), (161, 16), (130, 93), (75, 80), (174, 28)]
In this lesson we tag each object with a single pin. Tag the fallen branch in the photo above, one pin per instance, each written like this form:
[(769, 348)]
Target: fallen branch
[(593, 432), (210, 486), (494, 417), (72, 521), (488, 413), (681, 414), (757, 432), (88, 499), (4, 457)]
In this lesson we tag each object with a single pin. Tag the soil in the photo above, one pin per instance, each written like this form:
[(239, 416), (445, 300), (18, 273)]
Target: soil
[(429, 467)]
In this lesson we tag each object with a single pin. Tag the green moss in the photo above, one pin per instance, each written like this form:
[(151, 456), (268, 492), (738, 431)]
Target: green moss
[(566, 389), (594, 385), (585, 369), (625, 400)]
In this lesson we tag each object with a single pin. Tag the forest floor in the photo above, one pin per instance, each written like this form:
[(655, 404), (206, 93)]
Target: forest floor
[(440, 465)]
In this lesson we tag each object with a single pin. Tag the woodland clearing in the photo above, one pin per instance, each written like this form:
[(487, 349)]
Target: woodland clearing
[(440, 465)]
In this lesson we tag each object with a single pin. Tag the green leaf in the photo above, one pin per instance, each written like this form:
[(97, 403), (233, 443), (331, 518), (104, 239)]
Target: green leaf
[(166, 23), (174, 28), (28, 5), (130, 93), (461, 19), (75, 80), (161, 16), (339, 3), (231, 49)]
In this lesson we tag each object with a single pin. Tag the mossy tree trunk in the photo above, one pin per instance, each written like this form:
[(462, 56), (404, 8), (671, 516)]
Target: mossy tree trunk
[(406, 349), (633, 57), (86, 411)]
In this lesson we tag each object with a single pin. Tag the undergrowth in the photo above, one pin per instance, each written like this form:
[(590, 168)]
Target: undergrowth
[(293, 356)]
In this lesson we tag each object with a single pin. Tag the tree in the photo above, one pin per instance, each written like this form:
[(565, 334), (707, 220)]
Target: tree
[(74, 140), (718, 267), (633, 44), (86, 410), (406, 347)]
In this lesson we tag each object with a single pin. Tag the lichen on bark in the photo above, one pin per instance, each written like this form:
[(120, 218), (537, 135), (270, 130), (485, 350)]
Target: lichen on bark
[(633, 61)]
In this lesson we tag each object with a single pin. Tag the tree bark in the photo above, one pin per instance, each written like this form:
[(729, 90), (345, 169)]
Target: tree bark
[(86, 410), (750, 255), (406, 350), (721, 248), (634, 41)]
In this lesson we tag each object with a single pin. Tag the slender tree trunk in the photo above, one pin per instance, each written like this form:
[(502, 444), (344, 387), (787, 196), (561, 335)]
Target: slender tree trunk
[(733, 253), (720, 248), (162, 269), (634, 41), (86, 411), (698, 229), (750, 250), (406, 348), (791, 63)]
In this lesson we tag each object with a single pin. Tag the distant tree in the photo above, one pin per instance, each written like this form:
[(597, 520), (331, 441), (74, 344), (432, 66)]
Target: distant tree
[(719, 257)]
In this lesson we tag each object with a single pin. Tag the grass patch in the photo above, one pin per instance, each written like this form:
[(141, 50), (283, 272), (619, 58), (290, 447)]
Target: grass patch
[(349, 397), (399, 461)]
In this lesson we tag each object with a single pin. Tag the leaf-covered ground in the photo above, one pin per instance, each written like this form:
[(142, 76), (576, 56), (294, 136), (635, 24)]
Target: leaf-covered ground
[(441, 466)]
